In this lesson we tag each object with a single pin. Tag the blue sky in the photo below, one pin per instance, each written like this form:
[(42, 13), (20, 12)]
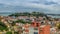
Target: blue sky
[(47, 6)]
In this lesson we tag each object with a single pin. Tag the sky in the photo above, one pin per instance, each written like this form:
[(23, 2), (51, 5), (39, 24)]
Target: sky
[(46, 6)]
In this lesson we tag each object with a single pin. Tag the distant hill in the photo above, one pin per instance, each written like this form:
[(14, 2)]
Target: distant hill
[(7, 12), (28, 14), (54, 14)]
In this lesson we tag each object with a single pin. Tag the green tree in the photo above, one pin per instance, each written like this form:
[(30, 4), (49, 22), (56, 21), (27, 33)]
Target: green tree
[(3, 26), (8, 32)]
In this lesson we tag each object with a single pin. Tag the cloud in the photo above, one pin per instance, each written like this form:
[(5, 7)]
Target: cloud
[(47, 6), (18, 2)]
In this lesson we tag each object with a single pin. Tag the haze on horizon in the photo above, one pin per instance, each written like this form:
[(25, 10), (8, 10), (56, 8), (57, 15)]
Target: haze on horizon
[(46, 6)]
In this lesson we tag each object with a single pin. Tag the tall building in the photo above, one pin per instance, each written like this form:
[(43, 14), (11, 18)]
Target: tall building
[(44, 29)]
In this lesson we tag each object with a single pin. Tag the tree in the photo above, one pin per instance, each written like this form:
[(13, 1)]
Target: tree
[(3, 26), (59, 26), (8, 32)]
